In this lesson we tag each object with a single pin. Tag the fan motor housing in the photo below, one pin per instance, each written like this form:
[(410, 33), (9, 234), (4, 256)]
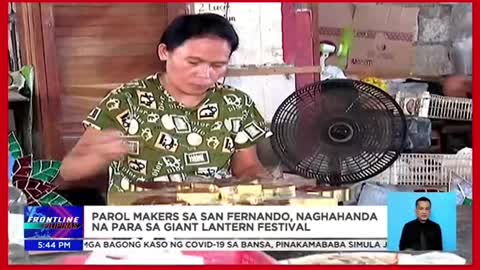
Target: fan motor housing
[(340, 132)]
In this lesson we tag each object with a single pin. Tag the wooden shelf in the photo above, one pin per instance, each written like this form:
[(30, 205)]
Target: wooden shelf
[(271, 70)]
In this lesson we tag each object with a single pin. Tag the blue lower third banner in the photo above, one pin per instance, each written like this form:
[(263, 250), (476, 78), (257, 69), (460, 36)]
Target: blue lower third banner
[(53, 222), (53, 245)]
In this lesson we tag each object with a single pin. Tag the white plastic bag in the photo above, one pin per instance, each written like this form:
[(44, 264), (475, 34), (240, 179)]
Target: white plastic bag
[(461, 187)]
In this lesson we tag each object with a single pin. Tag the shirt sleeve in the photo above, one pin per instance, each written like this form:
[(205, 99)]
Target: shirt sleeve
[(253, 127), (113, 112), (403, 238), (439, 238)]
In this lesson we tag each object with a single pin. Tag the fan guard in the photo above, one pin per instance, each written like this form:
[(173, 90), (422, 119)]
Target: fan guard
[(338, 131)]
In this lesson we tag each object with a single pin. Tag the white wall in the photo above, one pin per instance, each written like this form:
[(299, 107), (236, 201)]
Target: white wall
[(259, 26)]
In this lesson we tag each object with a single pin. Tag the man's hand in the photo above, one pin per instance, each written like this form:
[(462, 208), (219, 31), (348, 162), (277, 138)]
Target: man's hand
[(92, 155), (245, 163), (457, 86)]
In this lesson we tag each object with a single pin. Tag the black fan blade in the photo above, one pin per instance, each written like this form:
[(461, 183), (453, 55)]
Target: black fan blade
[(339, 131)]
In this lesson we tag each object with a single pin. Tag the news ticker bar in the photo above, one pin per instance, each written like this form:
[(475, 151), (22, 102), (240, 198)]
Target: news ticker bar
[(72, 245), (196, 222)]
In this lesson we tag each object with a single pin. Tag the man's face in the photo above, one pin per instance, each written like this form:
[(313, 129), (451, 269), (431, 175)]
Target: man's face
[(197, 64), (423, 210)]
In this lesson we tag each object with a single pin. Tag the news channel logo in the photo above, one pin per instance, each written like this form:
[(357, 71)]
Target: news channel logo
[(430, 225), (53, 222)]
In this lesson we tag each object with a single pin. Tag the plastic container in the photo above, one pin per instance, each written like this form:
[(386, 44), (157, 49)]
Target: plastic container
[(450, 108), (414, 102), (419, 134), (16, 205), (426, 169)]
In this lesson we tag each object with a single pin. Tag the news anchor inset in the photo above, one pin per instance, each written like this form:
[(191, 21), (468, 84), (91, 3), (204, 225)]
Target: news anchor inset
[(421, 233)]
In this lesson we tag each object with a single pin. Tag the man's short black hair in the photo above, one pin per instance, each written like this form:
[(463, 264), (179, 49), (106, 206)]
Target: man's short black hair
[(423, 199), (186, 27)]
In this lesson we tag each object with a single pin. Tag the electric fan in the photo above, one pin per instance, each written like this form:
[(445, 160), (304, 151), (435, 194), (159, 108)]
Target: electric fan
[(338, 131), (341, 51)]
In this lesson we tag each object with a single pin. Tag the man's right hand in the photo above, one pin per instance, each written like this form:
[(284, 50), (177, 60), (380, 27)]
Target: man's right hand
[(457, 86), (92, 155)]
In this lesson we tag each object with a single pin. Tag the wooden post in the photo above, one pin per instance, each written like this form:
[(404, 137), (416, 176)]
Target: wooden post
[(35, 27)]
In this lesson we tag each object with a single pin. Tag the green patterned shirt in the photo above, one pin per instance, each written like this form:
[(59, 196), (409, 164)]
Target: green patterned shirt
[(167, 141)]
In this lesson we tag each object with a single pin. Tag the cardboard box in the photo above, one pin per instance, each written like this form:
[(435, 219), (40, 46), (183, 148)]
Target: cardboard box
[(384, 35)]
